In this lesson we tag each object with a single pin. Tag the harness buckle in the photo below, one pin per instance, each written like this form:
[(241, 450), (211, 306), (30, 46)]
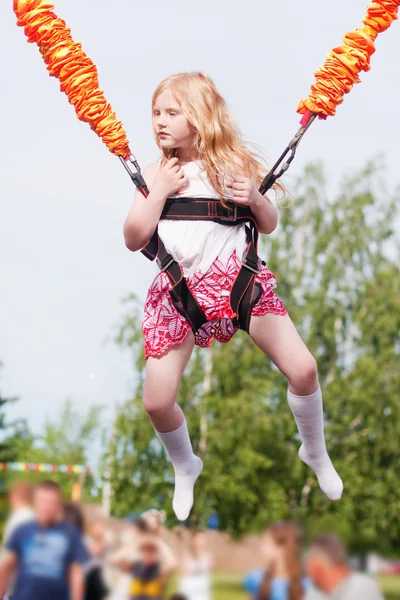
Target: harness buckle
[(251, 265), (232, 217), (168, 263)]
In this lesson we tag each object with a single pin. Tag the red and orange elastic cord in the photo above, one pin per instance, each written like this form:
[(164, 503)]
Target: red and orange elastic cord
[(77, 74), (343, 65)]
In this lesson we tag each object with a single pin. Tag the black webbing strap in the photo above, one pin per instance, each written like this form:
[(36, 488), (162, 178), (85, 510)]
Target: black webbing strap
[(182, 298), (245, 292), (205, 209)]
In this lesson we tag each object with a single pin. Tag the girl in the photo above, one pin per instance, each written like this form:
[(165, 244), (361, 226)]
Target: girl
[(282, 578), (202, 155)]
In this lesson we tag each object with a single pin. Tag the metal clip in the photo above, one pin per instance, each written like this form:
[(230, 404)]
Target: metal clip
[(135, 175), (250, 268), (169, 263)]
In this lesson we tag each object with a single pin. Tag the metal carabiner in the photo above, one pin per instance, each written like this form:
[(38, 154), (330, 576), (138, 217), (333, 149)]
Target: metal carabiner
[(291, 148), (135, 175)]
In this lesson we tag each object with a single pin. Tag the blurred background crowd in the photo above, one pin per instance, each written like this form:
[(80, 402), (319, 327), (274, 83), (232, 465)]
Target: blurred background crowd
[(61, 550)]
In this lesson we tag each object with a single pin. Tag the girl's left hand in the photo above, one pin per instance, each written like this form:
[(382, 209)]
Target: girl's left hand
[(243, 190)]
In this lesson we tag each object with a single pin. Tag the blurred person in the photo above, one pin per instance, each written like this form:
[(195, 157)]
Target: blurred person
[(126, 554), (328, 567), (46, 554), (283, 577), (195, 582), (73, 514), (96, 577), (151, 571), (154, 519), (95, 586), (21, 509), (96, 539), (127, 549)]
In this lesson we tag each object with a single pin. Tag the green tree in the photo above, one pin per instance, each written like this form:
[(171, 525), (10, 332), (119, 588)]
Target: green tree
[(13, 435), (7, 451), (9, 432), (72, 438)]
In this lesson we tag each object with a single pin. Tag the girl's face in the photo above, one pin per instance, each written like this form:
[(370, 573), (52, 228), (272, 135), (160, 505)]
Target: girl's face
[(170, 125), (268, 548)]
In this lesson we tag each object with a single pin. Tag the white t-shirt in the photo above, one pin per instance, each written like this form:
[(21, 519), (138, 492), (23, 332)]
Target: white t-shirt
[(196, 244), (195, 584), (357, 587), (313, 594)]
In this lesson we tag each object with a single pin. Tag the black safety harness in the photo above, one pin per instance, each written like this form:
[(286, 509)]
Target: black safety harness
[(245, 291)]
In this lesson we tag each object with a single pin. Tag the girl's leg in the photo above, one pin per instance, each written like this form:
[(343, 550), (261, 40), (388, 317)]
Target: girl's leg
[(278, 338), (163, 376)]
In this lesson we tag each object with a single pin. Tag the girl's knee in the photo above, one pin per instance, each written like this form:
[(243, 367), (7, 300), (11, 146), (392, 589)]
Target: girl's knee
[(160, 392), (154, 405), (304, 379)]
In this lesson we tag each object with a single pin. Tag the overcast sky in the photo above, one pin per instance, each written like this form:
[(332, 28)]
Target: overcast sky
[(63, 197)]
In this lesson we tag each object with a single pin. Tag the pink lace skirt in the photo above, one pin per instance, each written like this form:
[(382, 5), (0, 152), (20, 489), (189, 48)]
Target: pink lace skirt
[(163, 326)]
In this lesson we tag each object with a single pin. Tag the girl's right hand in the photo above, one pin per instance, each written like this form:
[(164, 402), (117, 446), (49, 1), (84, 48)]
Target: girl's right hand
[(170, 178)]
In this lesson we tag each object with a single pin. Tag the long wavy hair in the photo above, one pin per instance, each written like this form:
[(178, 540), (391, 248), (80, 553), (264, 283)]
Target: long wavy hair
[(287, 537), (217, 140)]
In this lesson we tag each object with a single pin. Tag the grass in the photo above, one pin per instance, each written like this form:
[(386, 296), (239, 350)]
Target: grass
[(390, 587), (228, 586)]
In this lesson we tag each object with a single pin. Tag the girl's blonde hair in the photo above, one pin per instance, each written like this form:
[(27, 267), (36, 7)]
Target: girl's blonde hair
[(217, 140)]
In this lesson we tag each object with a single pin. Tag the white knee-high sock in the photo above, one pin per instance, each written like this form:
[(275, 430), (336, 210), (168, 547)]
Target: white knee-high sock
[(187, 467), (309, 417)]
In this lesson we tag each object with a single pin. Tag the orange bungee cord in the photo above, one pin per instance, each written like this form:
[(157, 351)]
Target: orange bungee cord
[(344, 64), (337, 76), (77, 74)]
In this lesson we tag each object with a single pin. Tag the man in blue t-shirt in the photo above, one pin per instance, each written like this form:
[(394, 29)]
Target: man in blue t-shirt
[(47, 554)]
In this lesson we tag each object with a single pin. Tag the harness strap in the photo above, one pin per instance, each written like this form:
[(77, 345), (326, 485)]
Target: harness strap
[(206, 209), (245, 292), (182, 298)]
